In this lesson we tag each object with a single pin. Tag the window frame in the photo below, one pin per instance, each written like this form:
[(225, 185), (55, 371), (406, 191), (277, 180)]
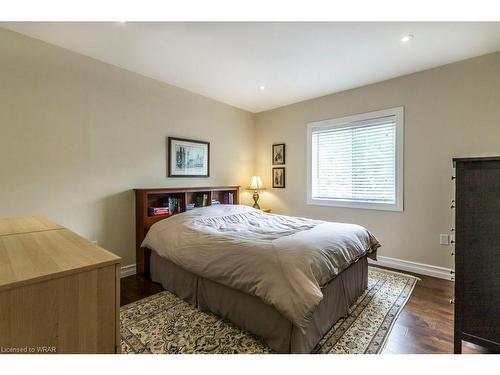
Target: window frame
[(346, 121)]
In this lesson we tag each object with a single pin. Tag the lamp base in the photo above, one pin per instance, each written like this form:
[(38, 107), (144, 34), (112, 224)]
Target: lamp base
[(255, 199)]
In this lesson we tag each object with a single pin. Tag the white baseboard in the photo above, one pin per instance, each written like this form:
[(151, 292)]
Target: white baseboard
[(406, 265), (128, 270)]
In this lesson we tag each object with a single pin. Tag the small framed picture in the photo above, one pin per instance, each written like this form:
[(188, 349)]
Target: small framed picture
[(188, 158), (279, 177), (279, 154)]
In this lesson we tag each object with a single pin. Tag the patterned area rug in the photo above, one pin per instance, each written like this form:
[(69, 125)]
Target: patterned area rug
[(163, 323)]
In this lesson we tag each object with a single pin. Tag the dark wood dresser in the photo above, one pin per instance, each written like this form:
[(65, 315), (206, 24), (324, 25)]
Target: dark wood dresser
[(477, 252)]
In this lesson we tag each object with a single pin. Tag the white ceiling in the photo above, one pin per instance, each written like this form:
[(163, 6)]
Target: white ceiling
[(295, 61)]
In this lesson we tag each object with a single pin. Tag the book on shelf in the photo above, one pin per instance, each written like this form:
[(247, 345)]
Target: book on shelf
[(174, 205), (189, 206), (228, 198), (201, 200), (156, 211), (215, 202)]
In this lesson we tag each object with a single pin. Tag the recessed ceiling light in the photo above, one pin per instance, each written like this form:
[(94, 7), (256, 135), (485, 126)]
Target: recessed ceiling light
[(407, 38), (122, 21), (262, 87)]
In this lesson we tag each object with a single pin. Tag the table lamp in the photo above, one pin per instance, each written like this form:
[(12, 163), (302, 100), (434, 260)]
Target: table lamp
[(256, 185)]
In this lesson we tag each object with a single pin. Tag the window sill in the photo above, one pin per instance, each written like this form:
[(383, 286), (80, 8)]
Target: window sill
[(358, 205)]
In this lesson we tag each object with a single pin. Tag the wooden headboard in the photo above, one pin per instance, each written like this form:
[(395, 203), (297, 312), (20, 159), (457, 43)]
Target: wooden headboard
[(145, 199)]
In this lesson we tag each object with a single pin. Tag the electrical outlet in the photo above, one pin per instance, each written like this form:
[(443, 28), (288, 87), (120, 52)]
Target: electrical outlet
[(94, 242), (444, 239)]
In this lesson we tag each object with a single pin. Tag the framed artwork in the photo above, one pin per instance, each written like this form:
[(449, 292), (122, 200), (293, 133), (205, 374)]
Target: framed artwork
[(188, 158), (279, 154), (279, 177)]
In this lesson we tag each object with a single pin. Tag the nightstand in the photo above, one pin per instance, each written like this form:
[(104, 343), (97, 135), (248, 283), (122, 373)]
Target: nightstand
[(265, 210)]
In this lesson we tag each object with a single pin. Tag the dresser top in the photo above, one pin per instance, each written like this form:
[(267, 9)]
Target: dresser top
[(34, 249), (476, 159), (18, 225)]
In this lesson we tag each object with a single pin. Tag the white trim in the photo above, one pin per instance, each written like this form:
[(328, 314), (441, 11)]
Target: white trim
[(398, 112), (128, 270), (419, 268)]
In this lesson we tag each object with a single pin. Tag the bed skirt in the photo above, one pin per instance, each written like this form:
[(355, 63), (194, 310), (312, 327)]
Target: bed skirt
[(252, 314)]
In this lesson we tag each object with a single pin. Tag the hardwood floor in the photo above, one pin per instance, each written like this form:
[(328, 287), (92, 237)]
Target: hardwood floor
[(135, 287), (424, 326), (426, 323)]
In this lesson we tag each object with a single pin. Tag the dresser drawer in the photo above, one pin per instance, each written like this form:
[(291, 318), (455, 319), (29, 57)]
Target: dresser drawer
[(72, 314)]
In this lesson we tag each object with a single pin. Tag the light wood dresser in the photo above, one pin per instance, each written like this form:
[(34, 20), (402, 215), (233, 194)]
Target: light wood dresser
[(59, 293)]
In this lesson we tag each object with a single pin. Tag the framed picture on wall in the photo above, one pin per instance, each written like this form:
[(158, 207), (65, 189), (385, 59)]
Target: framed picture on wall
[(188, 158), (279, 154), (279, 177)]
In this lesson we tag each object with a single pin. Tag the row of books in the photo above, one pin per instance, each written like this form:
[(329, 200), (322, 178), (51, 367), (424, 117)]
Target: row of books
[(173, 206), (201, 200), (228, 198)]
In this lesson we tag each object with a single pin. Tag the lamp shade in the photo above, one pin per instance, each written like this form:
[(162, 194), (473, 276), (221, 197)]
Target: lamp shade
[(256, 183)]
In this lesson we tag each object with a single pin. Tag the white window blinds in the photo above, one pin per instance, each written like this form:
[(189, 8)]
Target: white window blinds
[(355, 162)]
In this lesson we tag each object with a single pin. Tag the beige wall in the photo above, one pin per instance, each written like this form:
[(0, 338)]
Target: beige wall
[(450, 111), (78, 134)]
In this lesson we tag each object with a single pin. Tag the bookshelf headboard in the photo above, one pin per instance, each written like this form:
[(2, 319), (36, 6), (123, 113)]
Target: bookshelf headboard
[(153, 205)]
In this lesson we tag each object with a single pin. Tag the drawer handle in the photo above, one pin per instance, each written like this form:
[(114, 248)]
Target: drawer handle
[(452, 301)]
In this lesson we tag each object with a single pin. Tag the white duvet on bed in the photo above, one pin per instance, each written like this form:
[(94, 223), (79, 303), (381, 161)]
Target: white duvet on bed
[(281, 259)]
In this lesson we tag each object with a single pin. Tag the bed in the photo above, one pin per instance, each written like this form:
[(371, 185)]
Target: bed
[(287, 280)]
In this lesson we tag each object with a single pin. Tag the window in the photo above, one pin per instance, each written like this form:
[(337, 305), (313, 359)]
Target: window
[(357, 161)]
